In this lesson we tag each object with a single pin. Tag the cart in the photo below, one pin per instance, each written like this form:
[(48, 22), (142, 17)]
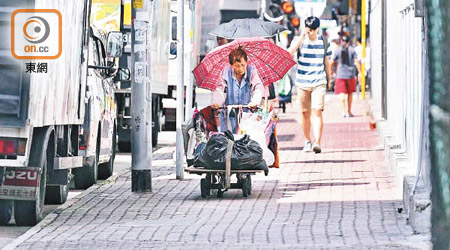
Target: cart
[(221, 179)]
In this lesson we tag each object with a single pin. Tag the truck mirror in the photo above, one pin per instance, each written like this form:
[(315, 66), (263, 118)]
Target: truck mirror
[(124, 74), (173, 48), (115, 44)]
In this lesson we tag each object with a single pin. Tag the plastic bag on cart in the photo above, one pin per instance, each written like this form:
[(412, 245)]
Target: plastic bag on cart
[(246, 155), (251, 121), (255, 126), (260, 138), (194, 136)]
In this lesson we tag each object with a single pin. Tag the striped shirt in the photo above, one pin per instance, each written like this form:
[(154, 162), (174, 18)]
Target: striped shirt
[(310, 68)]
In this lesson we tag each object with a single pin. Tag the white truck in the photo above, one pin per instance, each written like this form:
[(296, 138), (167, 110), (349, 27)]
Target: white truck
[(55, 125), (158, 52), (192, 40)]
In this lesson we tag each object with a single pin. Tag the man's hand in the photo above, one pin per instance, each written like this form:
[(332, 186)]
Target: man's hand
[(304, 33), (329, 85), (215, 106), (252, 105), (297, 42)]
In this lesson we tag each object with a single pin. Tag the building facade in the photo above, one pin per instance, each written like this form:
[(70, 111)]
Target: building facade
[(399, 98)]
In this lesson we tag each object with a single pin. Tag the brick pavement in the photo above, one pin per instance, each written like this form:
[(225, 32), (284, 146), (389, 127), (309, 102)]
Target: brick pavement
[(343, 198)]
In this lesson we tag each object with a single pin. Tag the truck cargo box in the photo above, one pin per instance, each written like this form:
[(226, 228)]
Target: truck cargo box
[(52, 98)]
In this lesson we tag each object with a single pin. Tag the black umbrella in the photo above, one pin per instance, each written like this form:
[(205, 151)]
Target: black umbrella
[(248, 27)]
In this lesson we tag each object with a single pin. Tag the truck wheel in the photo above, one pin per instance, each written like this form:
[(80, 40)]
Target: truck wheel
[(155, 132), (105, 170), (5, 212), (86, 176), (124, 146), (29, 213), (154, 138), (56, 194)]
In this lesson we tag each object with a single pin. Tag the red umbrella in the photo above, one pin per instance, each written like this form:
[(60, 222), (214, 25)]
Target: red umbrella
[(272, 61)]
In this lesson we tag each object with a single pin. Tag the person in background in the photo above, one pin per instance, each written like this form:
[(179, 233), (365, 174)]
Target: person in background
[(358, 48), (345, 60), (221, 41), (241, 85), (366, 60), (334, 45), (313, 77)]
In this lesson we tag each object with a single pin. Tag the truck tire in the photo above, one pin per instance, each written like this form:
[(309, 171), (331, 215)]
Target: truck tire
[(29, 213), (105, 170), (5, 212), (86, 176), (154, 138), (155, 131), (125, 146), (56, 194)]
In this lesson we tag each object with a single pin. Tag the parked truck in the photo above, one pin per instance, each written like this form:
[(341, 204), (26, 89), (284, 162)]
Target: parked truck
[(159, 44), (192, 40), (60, 125)]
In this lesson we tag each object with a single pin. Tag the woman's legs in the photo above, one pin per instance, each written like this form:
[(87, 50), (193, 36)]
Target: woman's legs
[(351, 90), (341, 89), (342, 99), (349, 103)]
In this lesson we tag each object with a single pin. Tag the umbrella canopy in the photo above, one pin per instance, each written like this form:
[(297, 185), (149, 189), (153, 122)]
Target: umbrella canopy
[(271, 61), (248, 27)]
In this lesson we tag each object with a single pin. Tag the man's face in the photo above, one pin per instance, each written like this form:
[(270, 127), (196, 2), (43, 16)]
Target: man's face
[(312, 34), (240, 68)]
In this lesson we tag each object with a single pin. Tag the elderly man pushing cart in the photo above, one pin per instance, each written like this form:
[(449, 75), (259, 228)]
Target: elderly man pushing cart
[(237, 74), (241, 85)]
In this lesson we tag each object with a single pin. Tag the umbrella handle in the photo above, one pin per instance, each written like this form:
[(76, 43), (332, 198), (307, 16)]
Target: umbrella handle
[(233, 106), (236, 106)]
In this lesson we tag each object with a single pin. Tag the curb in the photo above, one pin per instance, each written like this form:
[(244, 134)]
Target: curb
[(417, 205), (54, 214)]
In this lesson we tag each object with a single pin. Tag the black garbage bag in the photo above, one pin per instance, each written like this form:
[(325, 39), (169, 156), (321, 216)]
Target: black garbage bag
[(246, 154)]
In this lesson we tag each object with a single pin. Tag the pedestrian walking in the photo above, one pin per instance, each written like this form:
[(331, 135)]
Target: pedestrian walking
[(312, 79), (345, 60), (358, 48)]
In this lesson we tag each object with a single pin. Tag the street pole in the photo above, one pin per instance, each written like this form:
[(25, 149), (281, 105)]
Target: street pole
[(190, 85), (141, 107), (180, 91), (363, 42)]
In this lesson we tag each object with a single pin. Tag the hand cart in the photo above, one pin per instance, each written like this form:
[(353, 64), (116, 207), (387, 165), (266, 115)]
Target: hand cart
[(221, 179)]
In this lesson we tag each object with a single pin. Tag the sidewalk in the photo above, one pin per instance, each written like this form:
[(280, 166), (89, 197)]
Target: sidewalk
[(343, 198)]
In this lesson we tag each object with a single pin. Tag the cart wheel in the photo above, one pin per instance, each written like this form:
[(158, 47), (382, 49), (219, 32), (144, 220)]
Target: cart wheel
[(205, 188), (245, 186), (249, 178), (219, 193)]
